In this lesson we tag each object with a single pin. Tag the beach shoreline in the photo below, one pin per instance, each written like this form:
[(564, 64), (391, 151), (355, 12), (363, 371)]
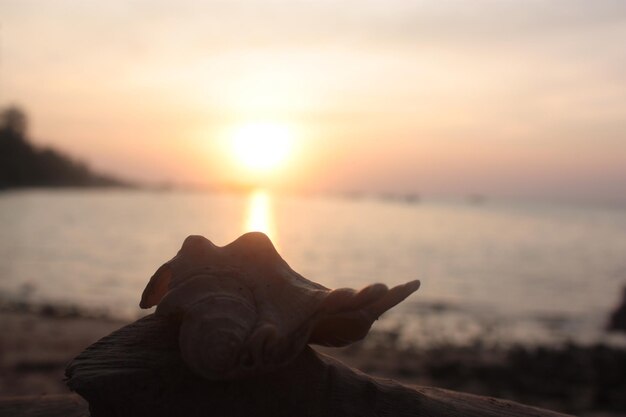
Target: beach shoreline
[(588, 381)]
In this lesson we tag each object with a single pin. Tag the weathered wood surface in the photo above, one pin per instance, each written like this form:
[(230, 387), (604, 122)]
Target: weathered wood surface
[(69, 405), (137, 371)]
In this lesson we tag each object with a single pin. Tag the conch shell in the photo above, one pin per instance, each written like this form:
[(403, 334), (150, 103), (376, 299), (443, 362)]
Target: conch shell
[(244, 311)]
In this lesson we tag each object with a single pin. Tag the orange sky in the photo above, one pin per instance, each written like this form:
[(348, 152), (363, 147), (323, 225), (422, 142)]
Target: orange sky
[(499, 97)]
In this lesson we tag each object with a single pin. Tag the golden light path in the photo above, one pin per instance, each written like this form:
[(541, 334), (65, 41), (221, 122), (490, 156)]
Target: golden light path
[(259, 217)]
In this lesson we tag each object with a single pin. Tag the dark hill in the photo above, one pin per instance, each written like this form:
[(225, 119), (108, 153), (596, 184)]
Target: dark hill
[(24, 165)]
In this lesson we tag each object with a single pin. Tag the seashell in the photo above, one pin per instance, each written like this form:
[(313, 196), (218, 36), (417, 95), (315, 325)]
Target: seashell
[(244, 311)]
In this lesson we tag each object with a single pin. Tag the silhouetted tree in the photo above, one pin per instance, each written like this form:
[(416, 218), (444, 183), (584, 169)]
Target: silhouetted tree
[(23, 165), (14, 120)]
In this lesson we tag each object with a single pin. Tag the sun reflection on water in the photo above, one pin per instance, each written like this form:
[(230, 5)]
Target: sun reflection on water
[(259, 217)]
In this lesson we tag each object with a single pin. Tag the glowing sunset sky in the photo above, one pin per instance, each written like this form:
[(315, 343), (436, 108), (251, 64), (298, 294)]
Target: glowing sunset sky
[(524, 98)]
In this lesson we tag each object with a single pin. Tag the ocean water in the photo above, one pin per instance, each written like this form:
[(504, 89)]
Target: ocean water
[(491, 273)]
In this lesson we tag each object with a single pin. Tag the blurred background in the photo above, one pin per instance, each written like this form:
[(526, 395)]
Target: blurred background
[(477, 146)]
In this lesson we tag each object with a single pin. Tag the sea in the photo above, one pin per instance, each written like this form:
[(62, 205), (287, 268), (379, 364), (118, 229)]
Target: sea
[(492, 272)]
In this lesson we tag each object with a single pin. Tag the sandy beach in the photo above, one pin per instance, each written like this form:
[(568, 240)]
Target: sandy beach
[(38, 342), (35, 348)]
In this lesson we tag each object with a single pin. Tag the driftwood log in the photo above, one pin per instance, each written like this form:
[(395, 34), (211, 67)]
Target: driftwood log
[(64, 405), (138, 371)]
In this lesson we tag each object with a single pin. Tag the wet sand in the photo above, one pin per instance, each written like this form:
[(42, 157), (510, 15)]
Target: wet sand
[(36, 345)]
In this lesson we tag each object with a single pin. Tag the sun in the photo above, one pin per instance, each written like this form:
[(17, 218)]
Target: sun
[(261, 147)]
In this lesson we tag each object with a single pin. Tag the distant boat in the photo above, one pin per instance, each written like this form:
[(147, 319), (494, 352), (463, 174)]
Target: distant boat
[(476, 199), (412, 198), (408, 198)]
